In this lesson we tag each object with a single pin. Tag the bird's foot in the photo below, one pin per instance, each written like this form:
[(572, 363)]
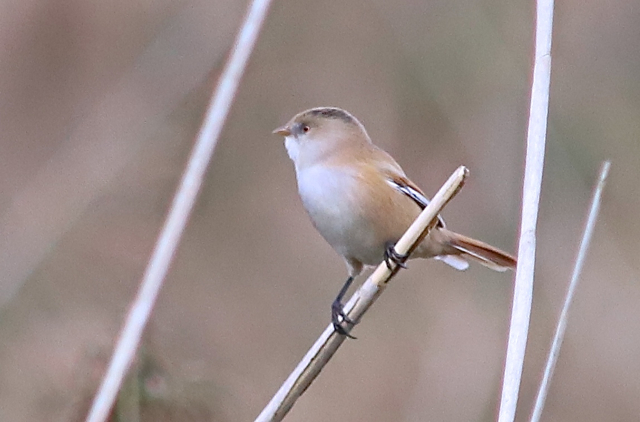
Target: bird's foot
[(391, 255), (338, 317)]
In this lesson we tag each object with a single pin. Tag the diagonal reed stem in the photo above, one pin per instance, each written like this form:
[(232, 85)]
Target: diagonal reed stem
[(554, 352), (179, 213), (329, 341)]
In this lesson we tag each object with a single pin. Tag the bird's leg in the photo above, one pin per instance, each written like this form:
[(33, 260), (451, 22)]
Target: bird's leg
[(390, 255), (337, 312)]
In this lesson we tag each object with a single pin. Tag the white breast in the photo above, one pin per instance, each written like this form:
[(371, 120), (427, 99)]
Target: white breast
[(325, 196), (329, 196), (325, 193)]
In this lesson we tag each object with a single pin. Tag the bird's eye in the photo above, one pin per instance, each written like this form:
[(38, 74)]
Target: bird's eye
[(305, 128)]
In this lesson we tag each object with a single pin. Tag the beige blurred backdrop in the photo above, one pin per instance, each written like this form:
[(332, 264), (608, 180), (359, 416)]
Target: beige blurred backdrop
[(99, 106)]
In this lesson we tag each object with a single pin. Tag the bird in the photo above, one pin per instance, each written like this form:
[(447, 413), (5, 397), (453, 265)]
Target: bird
[(361, 201)]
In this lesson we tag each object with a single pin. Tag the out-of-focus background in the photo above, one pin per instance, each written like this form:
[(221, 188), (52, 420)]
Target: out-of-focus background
[(99, 106)]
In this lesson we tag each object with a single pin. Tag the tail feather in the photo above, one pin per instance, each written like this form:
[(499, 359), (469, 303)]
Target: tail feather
[(454, 261), (482, 253)]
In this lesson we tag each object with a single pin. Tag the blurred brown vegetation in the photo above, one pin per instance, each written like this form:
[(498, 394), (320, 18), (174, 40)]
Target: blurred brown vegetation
[(99, 105)]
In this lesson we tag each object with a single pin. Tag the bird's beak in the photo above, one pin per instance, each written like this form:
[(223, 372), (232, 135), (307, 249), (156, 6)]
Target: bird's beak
[(283, 130)]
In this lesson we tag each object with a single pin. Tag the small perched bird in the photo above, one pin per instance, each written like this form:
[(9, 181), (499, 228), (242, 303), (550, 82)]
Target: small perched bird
[(361, 201)]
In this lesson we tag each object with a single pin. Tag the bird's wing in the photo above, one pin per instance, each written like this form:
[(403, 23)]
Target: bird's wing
[(407, 187)]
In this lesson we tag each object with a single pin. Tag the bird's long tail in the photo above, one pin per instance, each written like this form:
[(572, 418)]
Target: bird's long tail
[(481, 252)]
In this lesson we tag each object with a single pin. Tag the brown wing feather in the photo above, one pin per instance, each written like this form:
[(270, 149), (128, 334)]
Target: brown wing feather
[(407, 187)]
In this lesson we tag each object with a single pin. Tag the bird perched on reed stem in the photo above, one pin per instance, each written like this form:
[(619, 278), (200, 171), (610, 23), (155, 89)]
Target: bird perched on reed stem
[(361, 201)]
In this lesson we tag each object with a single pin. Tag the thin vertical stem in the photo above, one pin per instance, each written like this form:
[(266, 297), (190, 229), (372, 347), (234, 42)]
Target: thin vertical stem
[(536, 139)]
